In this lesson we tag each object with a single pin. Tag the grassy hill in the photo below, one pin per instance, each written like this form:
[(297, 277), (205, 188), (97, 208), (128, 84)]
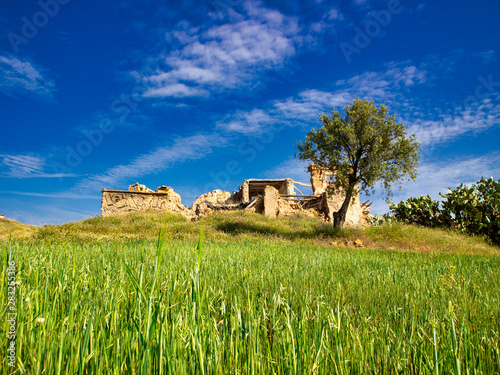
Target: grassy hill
[(242, 226), (16, 230)]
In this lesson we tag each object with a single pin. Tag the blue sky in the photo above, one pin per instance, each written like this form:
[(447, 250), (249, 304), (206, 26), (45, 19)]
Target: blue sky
[(200, 95)]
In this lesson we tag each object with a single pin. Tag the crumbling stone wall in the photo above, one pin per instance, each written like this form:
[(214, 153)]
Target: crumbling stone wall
[(357, 213), (254, 187), (275, 197), (141, 188), (271, 197), (140, 198), (319, 179), (201, 206)]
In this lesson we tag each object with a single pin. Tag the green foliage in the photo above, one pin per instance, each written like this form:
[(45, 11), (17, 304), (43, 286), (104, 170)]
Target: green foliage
[(421, 210), (473, 209), (377, 220), (364, 146)]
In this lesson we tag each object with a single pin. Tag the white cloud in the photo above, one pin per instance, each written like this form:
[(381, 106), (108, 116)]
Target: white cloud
[(26, 166), (384, 86), (188, 148), (252, 122), (23, 77), (475, 118), (176, 90), (308, 104), (429, 124), (304, 108), (223, 56), (334, 14), (21, 165)]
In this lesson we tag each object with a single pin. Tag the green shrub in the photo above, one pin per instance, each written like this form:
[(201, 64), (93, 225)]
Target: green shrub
[(377, 220), (473, 209), (422, 211)]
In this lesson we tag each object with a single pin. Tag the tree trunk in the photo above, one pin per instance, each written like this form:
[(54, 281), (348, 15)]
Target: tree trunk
[(339, 216)]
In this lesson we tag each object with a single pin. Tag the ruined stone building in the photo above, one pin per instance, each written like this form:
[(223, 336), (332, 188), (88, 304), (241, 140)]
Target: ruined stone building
[(272, 197)]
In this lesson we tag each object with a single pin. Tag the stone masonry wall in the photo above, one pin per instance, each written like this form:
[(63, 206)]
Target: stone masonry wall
[(117, 202)]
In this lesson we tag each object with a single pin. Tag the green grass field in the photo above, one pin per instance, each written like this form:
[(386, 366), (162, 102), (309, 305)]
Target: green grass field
[(102, 296)]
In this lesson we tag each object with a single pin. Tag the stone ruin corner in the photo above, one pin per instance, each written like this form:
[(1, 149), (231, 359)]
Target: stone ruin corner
[(271, 197)]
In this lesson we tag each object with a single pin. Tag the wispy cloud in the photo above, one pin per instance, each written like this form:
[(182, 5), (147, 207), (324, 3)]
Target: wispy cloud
[(63, 195), (27, 166), (385, 85), (300, 110), (432, 126), (252, 122), (304, 108), (308, 104), (475, 118), (18, 77), (486, 57), (183, 149), (176, 90), (23, 164), (223, 55)]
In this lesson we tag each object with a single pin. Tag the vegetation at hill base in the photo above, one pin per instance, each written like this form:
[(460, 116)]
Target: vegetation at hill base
[(473, 209), (287, 296)]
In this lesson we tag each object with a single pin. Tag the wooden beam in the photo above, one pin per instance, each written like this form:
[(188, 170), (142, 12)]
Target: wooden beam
[(301, 195), (252, 204), (302, 184)]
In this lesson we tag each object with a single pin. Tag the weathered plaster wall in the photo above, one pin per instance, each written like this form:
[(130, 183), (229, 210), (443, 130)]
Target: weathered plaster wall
[(117, 202)]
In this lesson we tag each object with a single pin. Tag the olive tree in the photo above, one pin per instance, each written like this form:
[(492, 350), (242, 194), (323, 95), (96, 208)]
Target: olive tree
[(363, 146)]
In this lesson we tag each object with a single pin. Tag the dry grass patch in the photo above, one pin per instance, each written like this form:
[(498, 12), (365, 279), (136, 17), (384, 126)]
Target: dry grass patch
[(406, 237), (13, 229)]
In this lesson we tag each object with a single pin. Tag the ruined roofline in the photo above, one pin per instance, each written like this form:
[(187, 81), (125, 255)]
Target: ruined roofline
[(267, 179), (135, 192), (264, 180)]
